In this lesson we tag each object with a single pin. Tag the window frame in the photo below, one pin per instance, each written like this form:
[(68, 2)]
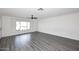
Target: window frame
[(21, 26)]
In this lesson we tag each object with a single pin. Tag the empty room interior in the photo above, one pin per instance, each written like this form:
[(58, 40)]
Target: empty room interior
[(39, 29)]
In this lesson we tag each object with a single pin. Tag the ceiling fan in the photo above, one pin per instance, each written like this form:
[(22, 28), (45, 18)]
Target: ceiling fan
[(33, 17)]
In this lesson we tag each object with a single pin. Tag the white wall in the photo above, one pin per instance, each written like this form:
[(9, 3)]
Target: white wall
[(0, 26), (9, 26), (64, 26)]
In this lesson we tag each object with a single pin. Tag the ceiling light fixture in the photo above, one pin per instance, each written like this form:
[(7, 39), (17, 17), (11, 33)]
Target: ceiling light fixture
[(40, 9)]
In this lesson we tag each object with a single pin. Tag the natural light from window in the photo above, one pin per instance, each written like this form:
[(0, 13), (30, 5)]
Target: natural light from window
[(22, 26)]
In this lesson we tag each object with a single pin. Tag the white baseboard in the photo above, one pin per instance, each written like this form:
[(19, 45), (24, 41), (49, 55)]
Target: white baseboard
[(60, 35)]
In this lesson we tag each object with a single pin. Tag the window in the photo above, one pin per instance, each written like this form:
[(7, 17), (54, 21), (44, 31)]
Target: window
[(22, 26)]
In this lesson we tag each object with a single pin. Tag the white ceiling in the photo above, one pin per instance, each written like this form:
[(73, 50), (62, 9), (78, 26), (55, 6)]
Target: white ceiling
[(27, 12)]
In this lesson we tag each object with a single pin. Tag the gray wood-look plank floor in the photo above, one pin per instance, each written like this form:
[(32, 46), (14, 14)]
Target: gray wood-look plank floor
[(37, 41)]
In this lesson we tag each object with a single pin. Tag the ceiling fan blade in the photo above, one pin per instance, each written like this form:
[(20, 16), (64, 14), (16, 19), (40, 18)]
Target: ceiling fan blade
[(35, 18)]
